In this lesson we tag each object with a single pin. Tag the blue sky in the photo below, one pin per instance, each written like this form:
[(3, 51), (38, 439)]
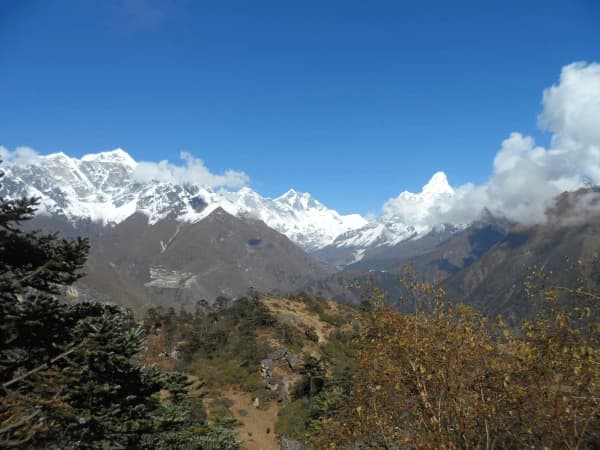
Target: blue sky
[(352, 101)]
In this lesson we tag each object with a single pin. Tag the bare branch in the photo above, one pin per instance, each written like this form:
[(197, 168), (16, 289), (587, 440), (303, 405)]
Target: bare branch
[(20, 422)]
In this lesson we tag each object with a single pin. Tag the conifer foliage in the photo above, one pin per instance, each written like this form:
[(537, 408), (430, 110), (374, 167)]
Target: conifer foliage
[(68, 371)]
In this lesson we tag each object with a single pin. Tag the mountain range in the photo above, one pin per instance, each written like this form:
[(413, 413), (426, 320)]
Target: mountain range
[(158, 242), (106, 188)]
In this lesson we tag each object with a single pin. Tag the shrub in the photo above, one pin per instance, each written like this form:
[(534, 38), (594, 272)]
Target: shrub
[(449, 379), (311, 334), (294, 419)]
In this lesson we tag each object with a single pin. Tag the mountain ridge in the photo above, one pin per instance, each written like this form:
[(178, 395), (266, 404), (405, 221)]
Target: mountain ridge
[(104, 187), (108, 187)]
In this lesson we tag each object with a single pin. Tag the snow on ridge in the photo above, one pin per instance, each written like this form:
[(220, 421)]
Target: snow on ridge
[(299, 216), (407, 216), (117, 156), (101, 187)]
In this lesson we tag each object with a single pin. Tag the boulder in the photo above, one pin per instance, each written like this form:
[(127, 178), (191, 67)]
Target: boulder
[(289, 444), (277, 354), (267, 365), (293, 361)]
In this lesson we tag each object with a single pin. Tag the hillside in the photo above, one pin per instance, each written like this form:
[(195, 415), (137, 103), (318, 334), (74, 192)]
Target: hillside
[(174, 242), (440, 253), (248, 359), (272, 371), (495, 284), (296, 370), (485, 265), (170, 263)]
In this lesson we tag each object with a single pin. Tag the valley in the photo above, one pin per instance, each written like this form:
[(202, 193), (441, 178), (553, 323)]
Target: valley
[(160, 243), (268, 312), (321, 225)]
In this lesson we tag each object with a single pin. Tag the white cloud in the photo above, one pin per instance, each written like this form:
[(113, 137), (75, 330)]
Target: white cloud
[(526, 178), (20, 155), (572, 107), (193, 171), (415, 209)]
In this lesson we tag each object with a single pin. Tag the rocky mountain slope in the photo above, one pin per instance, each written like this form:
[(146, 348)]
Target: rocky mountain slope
[(178, 263), (486, 264), (157, 242), (495, 283), (440, 253), (249, 360)]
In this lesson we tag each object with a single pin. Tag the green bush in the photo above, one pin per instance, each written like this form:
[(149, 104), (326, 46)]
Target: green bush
[(70, 372), (200, 438), (253, 384), (294, 419), (331, 319), (223, 371)]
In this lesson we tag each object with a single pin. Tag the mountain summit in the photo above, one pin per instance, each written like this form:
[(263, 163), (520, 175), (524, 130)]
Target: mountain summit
[(406, 217), (438, 185), (118, 156)]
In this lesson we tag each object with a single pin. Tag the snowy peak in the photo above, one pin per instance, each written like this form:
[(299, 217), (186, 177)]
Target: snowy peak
[(407, 216), (299, 200), (299, 216), (416, 208), (438, 185), (117, 156)]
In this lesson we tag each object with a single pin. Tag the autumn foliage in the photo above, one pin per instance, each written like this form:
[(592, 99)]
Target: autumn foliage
[(444, 377)]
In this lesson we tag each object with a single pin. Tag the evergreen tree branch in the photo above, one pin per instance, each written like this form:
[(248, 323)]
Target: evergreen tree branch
[(43, 366)]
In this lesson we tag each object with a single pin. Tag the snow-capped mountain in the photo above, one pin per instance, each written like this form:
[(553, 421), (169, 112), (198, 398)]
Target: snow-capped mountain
[(300, 217), (103, 188), (106, 188), (405, 217)]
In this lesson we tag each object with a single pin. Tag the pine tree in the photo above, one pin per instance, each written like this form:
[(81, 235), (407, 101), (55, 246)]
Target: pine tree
[(68, 371), (35, 326)]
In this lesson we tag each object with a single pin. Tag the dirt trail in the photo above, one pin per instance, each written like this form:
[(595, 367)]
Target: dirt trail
[(254, 425)]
